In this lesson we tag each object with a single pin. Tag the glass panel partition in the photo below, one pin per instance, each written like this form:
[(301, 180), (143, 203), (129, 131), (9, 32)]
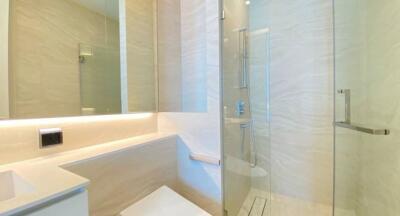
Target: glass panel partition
[(246, 108)]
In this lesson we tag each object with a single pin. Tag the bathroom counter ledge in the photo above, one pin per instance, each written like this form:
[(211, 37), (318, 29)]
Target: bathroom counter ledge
[(48, 178)]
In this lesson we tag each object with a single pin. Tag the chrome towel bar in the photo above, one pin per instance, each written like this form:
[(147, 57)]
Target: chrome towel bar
[(363, 129), (347, 120)]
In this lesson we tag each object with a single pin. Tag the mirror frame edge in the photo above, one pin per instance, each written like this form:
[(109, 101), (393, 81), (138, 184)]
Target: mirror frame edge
[(4, 95)]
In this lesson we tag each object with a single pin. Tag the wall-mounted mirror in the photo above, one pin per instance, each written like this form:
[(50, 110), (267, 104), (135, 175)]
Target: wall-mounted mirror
[(95, 57)]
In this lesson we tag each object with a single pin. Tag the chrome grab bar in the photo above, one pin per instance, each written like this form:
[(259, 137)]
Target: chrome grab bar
[(205, 159), (363, 129)]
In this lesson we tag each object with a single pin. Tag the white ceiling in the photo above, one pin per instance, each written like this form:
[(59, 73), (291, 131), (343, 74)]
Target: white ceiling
[(106, 7)]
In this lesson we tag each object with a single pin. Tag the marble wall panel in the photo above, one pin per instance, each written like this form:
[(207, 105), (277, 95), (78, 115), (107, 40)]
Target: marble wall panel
[(169, 55), (379, 175), (350, 67), (141, 34), (259, 82), (366, 59), (194, 55), (301, 99), (182, 56)]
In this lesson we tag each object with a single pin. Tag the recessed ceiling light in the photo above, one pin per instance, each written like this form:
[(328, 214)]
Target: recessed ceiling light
[(248, 2)]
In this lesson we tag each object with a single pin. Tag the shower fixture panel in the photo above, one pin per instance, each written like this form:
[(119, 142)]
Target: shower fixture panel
[(240, 107)]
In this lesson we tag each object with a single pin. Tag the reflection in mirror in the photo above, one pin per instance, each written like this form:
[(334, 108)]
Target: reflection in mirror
[(99, 79), (95, 57), (64, 58), (141, 43)]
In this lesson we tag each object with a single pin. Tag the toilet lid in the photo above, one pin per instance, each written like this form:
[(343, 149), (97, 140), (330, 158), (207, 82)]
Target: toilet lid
[(165, 202)]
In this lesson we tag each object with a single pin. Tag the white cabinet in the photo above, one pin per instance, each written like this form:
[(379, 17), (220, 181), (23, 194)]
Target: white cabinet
[(75, 204)]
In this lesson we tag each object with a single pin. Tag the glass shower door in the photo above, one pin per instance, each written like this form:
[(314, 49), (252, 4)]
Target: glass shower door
[(246, 108), (100, 80), (367, 148)]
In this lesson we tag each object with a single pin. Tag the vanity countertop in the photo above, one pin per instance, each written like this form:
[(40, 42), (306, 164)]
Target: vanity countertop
[(49, 180)]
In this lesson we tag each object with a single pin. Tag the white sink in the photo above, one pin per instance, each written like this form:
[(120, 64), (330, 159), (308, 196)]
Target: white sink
[(12, 185)]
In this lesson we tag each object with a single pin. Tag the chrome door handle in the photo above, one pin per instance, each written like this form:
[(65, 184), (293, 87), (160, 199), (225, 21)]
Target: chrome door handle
[(363, 129), (347, 120)]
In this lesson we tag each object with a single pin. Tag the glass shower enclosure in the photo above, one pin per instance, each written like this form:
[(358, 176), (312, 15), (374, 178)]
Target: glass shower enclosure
[(246, 108)]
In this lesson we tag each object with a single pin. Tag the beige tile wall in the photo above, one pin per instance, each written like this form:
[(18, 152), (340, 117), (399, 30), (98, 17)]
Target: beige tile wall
[(368, 33), (350, 61), (379, 184), (120, 179), (301, 99), (134, 173), (141, 37), (169, 55), (182, 54)]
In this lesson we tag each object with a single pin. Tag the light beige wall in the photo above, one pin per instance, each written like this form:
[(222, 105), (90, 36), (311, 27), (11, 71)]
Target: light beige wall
[(182, 72), (194, 56), (4, 15), (19, 139), (367, 181), (259, 61), (301, 99), (44, 48), (141, 54), (120, 179), (169, 55)]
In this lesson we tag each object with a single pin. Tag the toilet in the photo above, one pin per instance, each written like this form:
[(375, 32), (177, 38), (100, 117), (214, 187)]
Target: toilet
[(164, 202)]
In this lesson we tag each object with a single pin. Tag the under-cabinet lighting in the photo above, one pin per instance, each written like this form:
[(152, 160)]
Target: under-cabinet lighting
[(75, 119)]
